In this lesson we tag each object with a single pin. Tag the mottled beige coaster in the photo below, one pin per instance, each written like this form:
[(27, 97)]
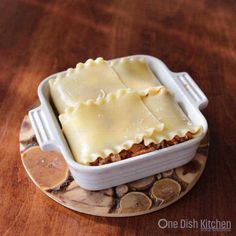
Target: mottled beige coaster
[(50, 173)]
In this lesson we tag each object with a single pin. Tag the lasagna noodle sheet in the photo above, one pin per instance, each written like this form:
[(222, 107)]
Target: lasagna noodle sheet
[(108, 125), (90, 80), (164, 107), (135, 74)]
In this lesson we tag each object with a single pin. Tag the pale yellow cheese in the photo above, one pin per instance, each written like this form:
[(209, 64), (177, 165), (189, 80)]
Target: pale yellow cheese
[(108, 125), (135, 73), (90, 80), (164, 107)]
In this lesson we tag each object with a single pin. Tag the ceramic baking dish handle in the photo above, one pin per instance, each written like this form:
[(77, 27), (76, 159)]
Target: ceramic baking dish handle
[(191, 89), (45, 138)]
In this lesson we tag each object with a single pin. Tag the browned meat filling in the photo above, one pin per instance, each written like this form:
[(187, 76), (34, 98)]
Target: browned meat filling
[(140, 148)]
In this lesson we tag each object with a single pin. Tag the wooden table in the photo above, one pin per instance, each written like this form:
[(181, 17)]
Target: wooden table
[(39, 38)]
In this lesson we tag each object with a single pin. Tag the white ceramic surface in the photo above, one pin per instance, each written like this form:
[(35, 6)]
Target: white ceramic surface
[(187, 93)]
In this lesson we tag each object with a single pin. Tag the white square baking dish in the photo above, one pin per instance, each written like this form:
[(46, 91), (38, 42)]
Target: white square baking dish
[(50, 137)]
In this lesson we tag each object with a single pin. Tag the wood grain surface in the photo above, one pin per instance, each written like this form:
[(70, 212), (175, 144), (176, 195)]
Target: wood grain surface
[(38, 38), (49, 172)]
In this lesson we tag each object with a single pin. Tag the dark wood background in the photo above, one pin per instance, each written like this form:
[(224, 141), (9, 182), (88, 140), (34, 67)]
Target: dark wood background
[(38, 38)]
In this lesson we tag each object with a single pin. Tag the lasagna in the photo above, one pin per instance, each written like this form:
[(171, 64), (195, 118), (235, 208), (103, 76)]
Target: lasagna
[(113, 111)]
